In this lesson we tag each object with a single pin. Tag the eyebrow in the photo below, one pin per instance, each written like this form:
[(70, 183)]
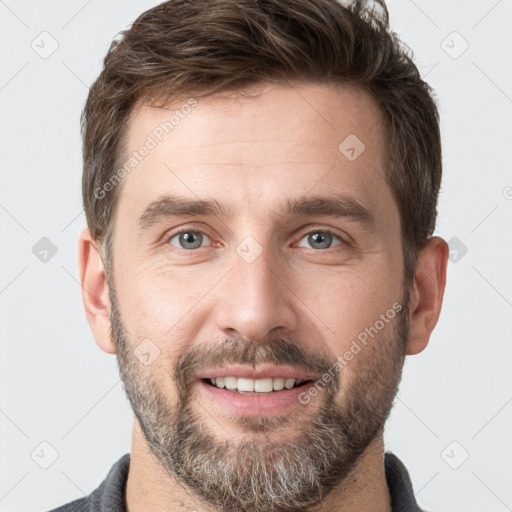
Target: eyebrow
[(336, 205)]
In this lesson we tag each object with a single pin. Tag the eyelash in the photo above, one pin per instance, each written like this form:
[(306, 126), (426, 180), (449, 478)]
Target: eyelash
[(303, 234)]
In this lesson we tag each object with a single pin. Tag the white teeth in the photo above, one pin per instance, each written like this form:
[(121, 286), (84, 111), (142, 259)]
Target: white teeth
[(230, 382), (288, 383), (263, 385), (243, 385), (278, 384)]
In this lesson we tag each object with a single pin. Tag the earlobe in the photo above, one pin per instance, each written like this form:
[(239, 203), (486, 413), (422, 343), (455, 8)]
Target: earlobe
[(95, 291), (427, 293)]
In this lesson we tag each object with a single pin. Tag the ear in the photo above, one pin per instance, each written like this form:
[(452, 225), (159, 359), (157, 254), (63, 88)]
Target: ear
[(427, 293), (95, 291)]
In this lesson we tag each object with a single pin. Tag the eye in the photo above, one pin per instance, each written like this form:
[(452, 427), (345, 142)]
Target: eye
[(188, 239), (320, 239)]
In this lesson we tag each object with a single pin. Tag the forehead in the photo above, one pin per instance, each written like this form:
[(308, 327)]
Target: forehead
[(255, 148)]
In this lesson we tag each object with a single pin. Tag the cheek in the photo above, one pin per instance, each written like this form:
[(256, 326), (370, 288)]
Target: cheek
[(153, 291), (346, 302), (362, 310), (166, 306)]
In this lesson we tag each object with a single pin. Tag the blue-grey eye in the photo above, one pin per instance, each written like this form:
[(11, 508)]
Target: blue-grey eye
[(320, 239), (188, 239)]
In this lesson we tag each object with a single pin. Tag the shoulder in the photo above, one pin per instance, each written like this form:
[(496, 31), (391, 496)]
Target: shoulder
[(79, 505), (400, 485), (108, 496)]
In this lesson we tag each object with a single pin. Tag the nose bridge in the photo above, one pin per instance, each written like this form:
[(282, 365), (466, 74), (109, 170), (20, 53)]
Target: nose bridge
[(254, 300)]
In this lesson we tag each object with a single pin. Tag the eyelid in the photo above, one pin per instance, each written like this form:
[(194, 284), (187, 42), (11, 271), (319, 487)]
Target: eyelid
[(183, 228)]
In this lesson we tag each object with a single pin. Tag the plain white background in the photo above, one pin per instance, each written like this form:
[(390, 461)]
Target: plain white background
[(452, 420)]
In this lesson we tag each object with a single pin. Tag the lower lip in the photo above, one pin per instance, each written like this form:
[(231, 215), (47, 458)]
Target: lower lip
[(276, 402)]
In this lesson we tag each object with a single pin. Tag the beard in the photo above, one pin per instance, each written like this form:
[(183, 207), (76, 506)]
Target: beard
[(287, 463)]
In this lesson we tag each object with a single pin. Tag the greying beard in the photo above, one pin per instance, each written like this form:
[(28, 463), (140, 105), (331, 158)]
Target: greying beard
[(263, 475)]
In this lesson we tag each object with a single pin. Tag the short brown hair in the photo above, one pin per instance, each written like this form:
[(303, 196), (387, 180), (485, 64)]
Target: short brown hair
[(196, 47)]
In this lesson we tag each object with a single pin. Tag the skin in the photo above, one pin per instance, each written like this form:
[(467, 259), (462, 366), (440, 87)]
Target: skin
[(251, 153)]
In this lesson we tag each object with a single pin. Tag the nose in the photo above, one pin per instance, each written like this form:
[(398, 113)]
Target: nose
[(255, 299)]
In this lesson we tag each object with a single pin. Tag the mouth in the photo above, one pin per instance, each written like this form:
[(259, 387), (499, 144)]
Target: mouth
[(244, 391), (246, 386)]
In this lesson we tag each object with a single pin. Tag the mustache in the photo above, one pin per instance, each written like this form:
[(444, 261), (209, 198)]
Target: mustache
[(238, 350)]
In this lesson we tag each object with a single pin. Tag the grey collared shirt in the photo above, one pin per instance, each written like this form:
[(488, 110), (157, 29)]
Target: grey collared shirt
[(109, 496)]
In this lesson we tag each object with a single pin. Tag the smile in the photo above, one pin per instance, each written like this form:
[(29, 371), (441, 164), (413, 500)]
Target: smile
[(254, 386)]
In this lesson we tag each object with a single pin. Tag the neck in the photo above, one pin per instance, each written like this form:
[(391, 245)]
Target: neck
[(150, 487)]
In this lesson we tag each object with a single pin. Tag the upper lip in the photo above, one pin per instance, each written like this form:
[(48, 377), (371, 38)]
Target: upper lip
[(261, 372)]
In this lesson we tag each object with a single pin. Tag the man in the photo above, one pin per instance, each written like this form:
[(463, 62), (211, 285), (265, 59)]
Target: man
[(260, 183)]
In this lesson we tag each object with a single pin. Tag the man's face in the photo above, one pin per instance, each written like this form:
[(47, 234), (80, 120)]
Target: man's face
[(277, 285)]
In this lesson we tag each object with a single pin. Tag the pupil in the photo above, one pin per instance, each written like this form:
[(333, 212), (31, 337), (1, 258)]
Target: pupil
[(323, 239), (188, 240)]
